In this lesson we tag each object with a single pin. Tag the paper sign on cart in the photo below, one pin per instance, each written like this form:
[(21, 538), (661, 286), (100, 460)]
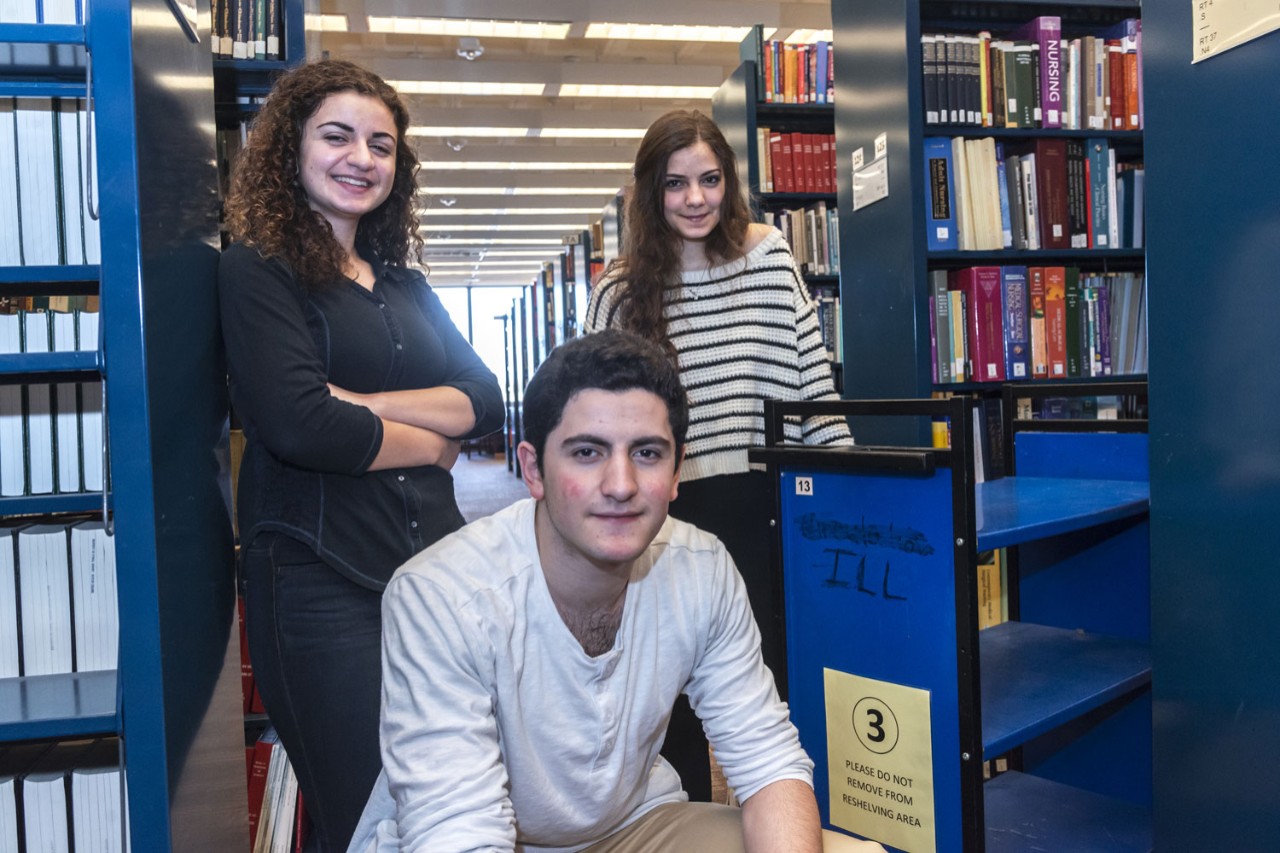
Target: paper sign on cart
[(880, 761)]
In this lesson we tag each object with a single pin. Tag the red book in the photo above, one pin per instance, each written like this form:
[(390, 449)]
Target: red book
[(301, 826), (810, 167), (783, 169), (1115, 85), (1055, 320), (982, 291), (258, 779), (1052, 208), (246, 668)]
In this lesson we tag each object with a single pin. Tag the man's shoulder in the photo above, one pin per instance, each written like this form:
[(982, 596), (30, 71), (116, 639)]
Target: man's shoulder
[(485, 554), (681, 541)]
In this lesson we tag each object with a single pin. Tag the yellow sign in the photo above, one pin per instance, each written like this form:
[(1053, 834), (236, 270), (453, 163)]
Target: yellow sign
[(880, 761)]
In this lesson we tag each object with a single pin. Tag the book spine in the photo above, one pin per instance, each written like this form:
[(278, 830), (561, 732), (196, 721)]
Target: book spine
[(1017, 337), (940, 203), (1076, 348), (1036, 324), (1055, 314)]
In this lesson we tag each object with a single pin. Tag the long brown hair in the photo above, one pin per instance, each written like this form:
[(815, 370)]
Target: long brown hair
[(650, 262), (268, 207)]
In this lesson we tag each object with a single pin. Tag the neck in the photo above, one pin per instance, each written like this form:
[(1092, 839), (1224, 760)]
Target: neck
[(693, 258)]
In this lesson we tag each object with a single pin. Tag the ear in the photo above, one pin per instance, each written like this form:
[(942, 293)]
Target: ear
[(675, 480), (529, 471)]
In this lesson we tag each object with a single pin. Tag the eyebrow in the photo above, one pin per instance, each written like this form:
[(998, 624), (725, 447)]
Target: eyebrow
[(643, 441), (349, 129), (703, 175)]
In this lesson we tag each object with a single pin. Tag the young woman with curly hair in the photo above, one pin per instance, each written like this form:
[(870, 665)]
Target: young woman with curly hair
[(725, 298), (354, 390)]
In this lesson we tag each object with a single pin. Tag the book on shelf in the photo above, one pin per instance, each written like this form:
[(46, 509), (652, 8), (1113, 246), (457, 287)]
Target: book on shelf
[(44, 595), (1055, 320), (38, 408), (940, 311), (981, 287), (1017, 335), (940, 219), (10, 640), (790, 73), (93, 597), (1035, 76), (44, 219), (1036, 323)]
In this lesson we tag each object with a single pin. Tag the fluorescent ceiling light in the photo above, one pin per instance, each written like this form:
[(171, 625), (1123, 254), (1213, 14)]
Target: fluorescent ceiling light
[(532, 166), (521, 253), (531, 132), (808, 36), (602, 90), (557, 191), (483, 262), (564, 227), (467, 27), (324, 23), (668, 32), (508, 211), (436, 242), (455, 87)]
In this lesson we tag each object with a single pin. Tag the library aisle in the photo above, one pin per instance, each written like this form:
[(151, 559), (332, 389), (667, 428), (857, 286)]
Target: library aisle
[(484, 485)]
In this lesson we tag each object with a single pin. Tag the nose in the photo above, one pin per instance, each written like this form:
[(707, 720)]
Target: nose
[(360, 156), (620, 478), (693, 196)]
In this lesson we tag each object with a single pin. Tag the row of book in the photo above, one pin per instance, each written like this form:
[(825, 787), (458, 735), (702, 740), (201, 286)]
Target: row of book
[(796, 162), (813, 233), (60, 797), (51, 435), (793, 73), (246, 29), (39, 11), (278, 820), (57, 599), (998, 323), (44, 204), (827, 300), (1043, 193), (1035, 78)]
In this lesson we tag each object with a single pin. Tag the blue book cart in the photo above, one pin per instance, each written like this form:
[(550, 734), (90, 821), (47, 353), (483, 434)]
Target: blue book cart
[(901, 701)]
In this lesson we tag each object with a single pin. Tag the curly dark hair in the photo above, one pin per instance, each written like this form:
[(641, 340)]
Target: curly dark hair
[(650, 263), (267, 206)]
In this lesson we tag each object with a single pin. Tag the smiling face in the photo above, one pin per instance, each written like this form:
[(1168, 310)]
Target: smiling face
[(693, 189), (347, 160), (606, 476)]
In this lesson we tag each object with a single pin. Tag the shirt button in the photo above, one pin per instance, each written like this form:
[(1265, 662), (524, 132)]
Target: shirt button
[(400, 478), (382, 305), (399, 346), (414, 525)]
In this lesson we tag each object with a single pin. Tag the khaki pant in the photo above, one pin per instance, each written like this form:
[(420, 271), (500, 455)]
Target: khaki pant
[(701, 828)]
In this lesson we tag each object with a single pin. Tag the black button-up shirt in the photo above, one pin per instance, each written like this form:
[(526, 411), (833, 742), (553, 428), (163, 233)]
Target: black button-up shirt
[(305, 468)]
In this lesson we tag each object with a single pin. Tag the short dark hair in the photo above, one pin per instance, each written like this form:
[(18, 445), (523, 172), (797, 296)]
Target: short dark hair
[(611, 360)]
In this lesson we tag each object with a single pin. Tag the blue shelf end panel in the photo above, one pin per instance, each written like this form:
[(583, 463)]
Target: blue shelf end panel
[(869, 573)]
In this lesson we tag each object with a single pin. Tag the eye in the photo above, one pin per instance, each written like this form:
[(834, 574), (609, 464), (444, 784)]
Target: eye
[(649, 454), (584, 453), (673, 183), (335, 138), (711, 180)]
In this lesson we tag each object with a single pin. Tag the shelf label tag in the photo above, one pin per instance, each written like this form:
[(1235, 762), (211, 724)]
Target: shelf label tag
[(882, 145), (880, 761), (857, 158), (804, 486)]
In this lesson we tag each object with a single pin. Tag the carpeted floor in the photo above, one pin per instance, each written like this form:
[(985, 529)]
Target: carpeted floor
[(483, 485)]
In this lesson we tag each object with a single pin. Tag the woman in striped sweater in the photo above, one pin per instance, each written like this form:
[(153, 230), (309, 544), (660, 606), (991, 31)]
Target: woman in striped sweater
[(725, 297)]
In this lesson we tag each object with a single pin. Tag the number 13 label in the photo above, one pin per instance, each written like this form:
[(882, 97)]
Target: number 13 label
[(804, 486)]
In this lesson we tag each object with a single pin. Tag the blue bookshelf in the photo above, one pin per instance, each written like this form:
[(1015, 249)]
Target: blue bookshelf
[(900, 699), (173, 699)]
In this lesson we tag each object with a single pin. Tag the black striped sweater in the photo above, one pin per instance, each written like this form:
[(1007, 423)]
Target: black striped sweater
[(744, 332)]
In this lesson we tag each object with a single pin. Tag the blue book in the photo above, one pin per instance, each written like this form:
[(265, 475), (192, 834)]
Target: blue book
[(1006, 224), (1017, 331), (940, 210), (820, 73)]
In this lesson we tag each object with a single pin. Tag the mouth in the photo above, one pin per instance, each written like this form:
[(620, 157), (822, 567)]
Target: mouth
[(359, 183)]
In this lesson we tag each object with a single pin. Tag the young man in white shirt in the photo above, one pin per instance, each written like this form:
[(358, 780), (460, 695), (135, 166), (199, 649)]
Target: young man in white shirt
[(530, 660)]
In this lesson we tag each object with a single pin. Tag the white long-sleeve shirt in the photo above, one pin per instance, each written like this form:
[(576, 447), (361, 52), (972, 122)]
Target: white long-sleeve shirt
[(499, 732)]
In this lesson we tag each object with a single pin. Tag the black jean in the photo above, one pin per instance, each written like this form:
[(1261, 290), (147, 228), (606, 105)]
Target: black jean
[(315, 642)]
